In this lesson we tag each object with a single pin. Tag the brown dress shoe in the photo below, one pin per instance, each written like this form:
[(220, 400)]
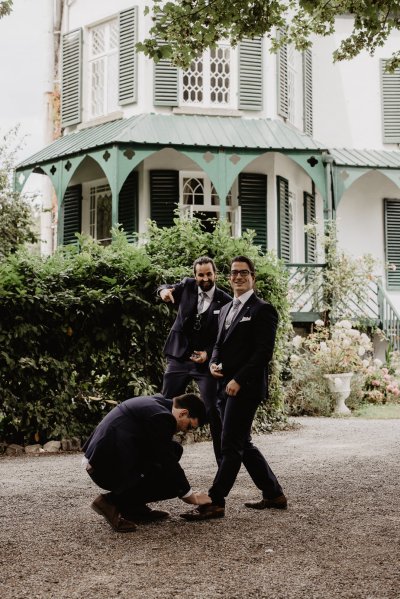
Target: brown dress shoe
[(204, 512), (144, 513), (110, 512), (279, 503)]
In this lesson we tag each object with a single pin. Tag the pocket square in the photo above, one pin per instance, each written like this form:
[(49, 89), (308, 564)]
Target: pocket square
[(216, 311), (245, 319)]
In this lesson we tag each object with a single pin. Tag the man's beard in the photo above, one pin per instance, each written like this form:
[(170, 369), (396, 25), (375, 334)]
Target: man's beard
[(205, 285)]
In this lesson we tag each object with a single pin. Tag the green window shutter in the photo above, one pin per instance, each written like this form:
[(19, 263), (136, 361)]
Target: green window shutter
[(390, 104), (253, 203), (284, 242), (392, 242), (250, 74), (166, 83), (71, 79), (307, 92), (283, 92), (72, 214), (164, 196), (310, 242), (127, 89), (128, 205)]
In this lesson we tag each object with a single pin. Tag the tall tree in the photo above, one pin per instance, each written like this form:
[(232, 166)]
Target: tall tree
[(16, 225), (183, 29)]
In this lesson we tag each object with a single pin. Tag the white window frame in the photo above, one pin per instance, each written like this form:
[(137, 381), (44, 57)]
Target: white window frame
[(89, 209), (189, 210), (233, 82), (109, 102)]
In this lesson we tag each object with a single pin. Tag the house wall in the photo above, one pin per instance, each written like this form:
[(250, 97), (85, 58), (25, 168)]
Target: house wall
[(365, 235), (347, 94)]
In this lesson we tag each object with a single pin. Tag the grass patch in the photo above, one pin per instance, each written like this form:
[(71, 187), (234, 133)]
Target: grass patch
[(382, 412)]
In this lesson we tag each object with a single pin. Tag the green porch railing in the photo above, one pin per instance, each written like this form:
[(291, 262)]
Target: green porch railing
[(306, 291), (389, 317), (370, 306)]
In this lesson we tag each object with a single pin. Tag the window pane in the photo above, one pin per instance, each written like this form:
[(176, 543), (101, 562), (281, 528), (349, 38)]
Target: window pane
[(97, 87), (98, 40), (193, 83), (193, 192)]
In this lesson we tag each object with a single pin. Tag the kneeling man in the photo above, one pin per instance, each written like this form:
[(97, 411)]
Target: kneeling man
[(132, 454)]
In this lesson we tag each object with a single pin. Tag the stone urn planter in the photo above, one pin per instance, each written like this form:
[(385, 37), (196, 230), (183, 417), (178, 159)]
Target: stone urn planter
[(339, 386)]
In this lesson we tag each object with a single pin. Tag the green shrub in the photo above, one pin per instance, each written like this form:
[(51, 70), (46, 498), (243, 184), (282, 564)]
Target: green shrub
[(83, 329)]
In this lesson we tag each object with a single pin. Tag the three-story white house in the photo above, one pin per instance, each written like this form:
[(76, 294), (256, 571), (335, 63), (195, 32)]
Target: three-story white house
[(269, 142)]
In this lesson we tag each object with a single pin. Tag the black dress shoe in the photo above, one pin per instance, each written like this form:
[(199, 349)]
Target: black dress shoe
[(279, 503), (110, 512), (144, 513), (205, 512)]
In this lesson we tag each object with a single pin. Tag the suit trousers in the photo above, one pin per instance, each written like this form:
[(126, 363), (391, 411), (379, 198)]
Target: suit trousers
[(237, 417), (177, 377), (148, 485)]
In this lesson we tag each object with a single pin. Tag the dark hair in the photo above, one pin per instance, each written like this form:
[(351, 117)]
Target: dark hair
[(193, 404), (204, 260), (249, 262)]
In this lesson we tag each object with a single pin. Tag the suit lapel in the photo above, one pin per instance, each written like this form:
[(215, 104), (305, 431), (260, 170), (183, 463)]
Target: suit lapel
[(243, 311)]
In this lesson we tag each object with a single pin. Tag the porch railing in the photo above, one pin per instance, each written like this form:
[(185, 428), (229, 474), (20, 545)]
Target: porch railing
[(370, 306)]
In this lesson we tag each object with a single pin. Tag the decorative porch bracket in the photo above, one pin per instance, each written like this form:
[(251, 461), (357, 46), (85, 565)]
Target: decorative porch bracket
[(345, 176), (313, 164), (222, 167), (117, 163)]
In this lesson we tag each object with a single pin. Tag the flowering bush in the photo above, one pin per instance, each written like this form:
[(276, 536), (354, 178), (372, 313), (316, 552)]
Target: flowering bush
[(340, 349), (380, 385)]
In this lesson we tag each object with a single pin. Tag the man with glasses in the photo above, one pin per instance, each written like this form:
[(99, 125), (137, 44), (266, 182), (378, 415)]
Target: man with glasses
[(191, 339), (133, 455), (244, 346)]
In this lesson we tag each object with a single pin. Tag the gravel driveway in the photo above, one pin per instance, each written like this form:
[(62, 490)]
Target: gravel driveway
[(340, 537)]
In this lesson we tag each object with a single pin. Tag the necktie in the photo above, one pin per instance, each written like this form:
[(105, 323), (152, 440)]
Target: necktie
[(200, 305), (232, 312)]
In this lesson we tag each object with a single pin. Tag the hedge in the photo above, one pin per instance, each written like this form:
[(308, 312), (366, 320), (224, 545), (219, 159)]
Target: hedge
[(84, 329)]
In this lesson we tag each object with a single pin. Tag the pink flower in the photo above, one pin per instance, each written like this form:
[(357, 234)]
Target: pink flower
[(375, 383)]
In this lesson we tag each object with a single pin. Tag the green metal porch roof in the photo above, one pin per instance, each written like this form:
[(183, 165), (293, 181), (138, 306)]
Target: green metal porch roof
[(179, 130), (365, 158)]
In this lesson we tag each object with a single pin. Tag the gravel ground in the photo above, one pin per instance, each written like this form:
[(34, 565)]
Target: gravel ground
[(340, 537)]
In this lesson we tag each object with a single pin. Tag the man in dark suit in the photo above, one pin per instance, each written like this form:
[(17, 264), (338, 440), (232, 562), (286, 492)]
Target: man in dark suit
[(244, 346), (132, 454), (191, 339)]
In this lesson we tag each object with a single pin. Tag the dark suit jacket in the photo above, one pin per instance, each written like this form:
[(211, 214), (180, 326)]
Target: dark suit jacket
[(186, 298), (247, 346), (136, 433)]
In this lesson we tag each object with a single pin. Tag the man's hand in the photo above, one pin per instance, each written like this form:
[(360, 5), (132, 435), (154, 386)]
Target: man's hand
[(232, 388), (215, 370), (167, 295), (197, 499), (199, 357)]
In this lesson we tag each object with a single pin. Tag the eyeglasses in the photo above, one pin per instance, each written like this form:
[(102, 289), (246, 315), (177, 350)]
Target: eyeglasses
[(243, 273)]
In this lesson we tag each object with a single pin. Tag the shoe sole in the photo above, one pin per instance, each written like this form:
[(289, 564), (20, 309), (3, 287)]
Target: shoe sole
[(199, 518), (268, 507)]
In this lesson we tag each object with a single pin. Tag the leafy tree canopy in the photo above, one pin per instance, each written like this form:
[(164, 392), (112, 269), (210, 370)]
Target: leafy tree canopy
[(183, 29), (5, 7)]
